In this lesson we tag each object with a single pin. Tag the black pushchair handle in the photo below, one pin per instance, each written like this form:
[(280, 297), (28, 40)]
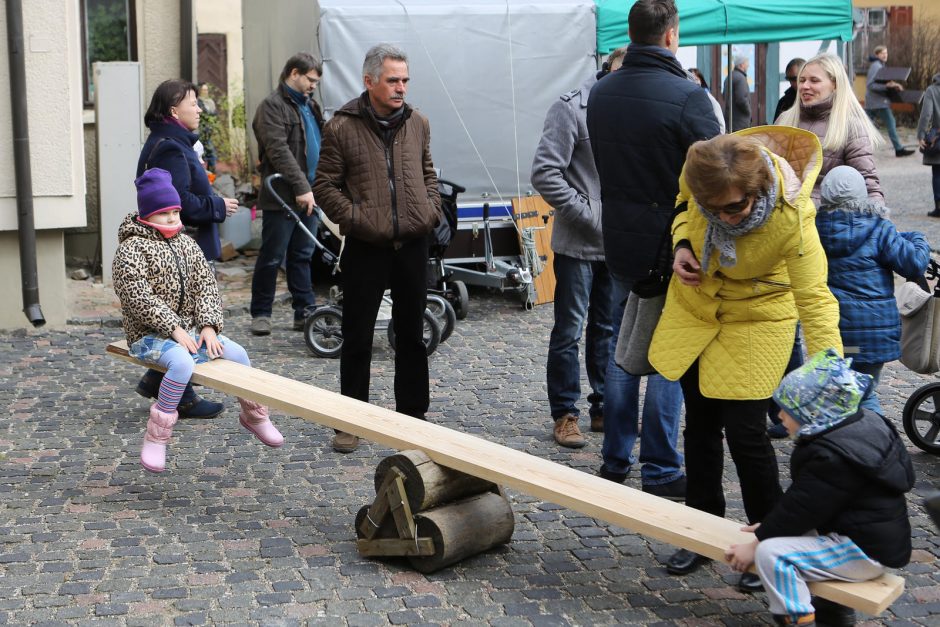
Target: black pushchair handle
[(328, 255), (458, 189)]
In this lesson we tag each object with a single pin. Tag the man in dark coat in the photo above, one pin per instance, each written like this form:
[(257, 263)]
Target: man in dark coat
[(738, 98), (641, 120), (376, 180), (789, 96), (287, 126)]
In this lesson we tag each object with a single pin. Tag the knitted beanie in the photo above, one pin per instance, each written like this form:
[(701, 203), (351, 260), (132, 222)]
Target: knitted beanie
[(822, 392), (155, 193)]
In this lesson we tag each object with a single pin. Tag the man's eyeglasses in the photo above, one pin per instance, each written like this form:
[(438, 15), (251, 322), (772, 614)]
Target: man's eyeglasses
[(312, 80), (732, 208), (792, 79)]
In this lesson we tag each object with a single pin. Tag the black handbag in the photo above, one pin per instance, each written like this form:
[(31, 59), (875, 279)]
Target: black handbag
[(932, 146)]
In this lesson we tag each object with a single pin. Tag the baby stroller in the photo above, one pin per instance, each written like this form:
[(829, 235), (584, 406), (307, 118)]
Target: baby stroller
[(323, 328), (920, 352), (440, 280)]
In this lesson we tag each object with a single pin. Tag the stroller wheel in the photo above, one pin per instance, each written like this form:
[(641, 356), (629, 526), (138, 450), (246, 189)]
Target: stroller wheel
[(457, 294), (444, 313), (323, 332), (921, 418), (432, 333)]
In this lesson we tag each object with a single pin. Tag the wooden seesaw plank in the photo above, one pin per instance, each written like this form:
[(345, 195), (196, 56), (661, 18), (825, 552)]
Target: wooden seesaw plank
[(649, 515)]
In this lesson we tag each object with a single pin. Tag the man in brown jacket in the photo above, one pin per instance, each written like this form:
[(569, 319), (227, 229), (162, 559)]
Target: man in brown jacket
[(377, 182), (287, 127)]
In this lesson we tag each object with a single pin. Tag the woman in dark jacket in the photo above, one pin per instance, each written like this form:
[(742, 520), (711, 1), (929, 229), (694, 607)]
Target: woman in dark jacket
[(173, 120), (930, 119)]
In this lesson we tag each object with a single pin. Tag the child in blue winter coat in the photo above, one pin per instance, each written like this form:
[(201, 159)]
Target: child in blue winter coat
[(844, 516), (864, 250)]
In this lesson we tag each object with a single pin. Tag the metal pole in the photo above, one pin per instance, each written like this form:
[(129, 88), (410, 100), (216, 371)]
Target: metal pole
[(729, 101)]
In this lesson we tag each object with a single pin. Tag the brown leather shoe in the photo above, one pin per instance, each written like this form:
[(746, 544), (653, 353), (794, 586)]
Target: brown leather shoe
[(597, 423), (567, 432), (345, 442)]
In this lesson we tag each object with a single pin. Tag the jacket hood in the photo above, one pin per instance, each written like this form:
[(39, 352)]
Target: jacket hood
[(798, 156), (871, 444), (130, 227), (845, 229)]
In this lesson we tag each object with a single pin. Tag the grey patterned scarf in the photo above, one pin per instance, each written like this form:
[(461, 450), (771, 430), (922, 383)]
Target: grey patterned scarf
[(721, 236)]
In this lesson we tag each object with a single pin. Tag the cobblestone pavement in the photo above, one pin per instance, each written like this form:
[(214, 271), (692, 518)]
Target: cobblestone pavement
[(235, 532)]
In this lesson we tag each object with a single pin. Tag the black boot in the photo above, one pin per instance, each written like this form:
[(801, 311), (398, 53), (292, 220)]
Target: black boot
[(191, 404), (833, 614), (936, 209)]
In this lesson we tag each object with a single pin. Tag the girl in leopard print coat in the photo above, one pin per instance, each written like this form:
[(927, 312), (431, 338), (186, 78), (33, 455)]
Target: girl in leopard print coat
[(172, 311)]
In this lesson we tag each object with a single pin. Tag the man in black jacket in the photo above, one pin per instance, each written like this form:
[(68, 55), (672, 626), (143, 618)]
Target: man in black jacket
[(737, 94), (789, 96), (641, 121), (844, 516)]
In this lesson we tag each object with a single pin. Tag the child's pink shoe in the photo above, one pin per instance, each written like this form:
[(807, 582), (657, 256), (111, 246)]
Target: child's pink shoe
[(153, 456), (159, 431), (254, 417)]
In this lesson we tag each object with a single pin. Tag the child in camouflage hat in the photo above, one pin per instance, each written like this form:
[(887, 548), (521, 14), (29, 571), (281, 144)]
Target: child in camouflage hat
[(844, 516)]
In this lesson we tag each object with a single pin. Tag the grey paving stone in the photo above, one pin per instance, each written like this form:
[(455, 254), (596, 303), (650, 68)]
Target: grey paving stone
[(236, 533)]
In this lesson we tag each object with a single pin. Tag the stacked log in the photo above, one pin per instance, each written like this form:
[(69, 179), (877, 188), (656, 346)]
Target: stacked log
[(419, 500)]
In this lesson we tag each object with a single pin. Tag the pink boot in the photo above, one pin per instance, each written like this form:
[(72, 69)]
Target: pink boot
[(159, 430), (254, 417)]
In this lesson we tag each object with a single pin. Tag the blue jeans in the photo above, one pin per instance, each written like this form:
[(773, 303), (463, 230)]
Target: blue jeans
[(796, 360), (281, 236), (662, 404), (871, 401), (887, 118), (582, 291)]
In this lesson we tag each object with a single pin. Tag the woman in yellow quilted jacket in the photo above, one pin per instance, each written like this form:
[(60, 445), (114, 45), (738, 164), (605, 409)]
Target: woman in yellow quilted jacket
[(748, 264)]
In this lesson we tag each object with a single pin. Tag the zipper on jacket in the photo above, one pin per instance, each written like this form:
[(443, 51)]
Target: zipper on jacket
[(182, 276), (392, 190), (758, 282)]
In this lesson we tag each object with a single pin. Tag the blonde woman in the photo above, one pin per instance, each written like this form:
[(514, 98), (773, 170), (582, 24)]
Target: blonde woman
[(827, 106)]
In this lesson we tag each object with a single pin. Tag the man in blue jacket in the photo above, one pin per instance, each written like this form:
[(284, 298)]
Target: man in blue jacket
[(642, 120)]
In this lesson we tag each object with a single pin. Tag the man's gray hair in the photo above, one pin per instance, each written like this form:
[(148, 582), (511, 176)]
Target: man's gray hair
[(739, 59), (376, 56)]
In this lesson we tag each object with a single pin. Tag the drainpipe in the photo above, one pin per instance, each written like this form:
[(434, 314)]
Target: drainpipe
[(23, 172), (186, 41)]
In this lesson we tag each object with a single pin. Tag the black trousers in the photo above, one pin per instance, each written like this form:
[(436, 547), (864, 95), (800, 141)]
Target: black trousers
[(368, 270), (744, 424)]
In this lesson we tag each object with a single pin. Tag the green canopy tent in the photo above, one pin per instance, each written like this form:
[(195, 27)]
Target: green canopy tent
[(711, 22), (726, 22)]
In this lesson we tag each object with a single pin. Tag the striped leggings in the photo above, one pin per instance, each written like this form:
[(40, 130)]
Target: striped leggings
[(786, 564)]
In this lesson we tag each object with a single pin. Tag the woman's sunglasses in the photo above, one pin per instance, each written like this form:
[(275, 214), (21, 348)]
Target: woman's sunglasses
[(732, 208)]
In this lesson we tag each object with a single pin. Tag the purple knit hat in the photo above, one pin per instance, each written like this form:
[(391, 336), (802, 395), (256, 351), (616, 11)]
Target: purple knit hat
[(155, 193)]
